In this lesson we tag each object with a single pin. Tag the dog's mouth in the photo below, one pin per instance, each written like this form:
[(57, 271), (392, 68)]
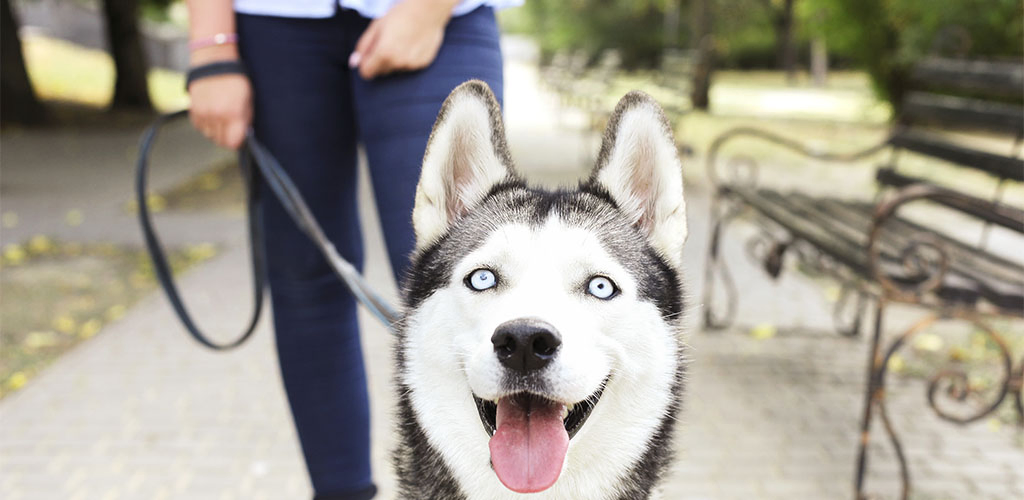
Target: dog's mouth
[(530, 436), (576, 414)]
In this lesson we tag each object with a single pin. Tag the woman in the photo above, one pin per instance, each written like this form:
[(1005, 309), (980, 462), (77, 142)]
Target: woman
[(318, 78)]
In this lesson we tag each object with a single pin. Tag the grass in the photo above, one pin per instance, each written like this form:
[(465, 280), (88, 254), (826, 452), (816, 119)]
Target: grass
[(62, 71)]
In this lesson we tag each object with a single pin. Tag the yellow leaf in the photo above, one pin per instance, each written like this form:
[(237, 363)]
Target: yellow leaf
[(64, 324), (201, 251), (115, 312), (832, 293), (994, 424), (928, 342), (209, 181), (896, 363), (40, 244), (89, 328), (17, 380), (74, 217), (10, 220), (14, 254), (38, 340), (156, 203), (763, 331)]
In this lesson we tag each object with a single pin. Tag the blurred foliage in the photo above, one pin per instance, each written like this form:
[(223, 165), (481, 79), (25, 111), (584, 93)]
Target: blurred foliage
[(883, 37), (635, 27), (886, 37)]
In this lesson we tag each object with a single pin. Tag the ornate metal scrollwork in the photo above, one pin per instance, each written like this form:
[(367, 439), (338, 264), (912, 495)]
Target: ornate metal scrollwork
[(746, 160), (923, 259), (722, 212), (948, 390)]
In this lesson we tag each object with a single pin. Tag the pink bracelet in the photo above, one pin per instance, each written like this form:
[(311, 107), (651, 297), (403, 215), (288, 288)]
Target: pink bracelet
[(211, 41)]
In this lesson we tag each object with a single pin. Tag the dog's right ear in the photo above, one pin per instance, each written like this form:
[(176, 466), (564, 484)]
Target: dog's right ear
[(466, 156)]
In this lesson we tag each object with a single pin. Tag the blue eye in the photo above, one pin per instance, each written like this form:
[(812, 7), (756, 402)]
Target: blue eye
[(481, 279), (601, 287)]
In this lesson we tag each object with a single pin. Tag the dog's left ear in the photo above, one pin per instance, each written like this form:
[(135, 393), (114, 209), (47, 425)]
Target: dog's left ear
[(466, 156), (639, 167)]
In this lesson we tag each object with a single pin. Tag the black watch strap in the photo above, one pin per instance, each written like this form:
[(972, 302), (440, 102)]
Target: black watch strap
[(213, 69)]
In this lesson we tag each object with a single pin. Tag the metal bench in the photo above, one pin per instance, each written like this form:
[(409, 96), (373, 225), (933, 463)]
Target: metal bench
[(885, 252)]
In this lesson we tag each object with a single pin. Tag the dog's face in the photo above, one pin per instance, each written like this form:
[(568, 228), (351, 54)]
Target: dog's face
[(542, 332)]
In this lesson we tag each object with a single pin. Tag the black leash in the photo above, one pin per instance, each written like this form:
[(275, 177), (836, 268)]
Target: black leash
[(266, 167)]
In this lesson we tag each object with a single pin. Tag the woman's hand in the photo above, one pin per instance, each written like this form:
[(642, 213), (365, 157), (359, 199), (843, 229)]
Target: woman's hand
[(406, 38), (221, 105)]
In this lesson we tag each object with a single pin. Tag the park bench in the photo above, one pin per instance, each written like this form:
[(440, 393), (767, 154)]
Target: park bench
[(911, 244)]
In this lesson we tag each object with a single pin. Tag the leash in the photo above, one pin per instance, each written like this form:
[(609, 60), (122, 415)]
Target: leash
[(252, 154)]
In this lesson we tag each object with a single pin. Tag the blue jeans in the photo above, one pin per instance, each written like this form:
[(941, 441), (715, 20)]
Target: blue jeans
[(311, 110)]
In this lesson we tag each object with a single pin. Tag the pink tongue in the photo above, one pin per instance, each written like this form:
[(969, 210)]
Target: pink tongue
[(528, 449)]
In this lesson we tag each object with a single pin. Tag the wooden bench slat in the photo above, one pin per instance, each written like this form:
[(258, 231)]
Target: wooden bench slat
[(1002, 78), (998, 280), (946, 110), (859, 215), (1004, 215), (843, 238), (1004, 167)]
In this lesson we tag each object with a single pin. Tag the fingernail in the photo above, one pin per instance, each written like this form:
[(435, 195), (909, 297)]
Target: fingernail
[(353, 60)]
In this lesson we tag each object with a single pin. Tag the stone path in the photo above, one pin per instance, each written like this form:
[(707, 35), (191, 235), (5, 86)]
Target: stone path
[(143, 412)]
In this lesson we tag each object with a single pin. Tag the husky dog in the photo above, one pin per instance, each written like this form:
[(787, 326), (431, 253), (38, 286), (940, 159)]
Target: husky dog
[(541, 350)]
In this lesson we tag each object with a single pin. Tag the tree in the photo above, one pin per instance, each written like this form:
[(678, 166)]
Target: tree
[(782, 22), (131, 90), (704, 43), (18, 100)]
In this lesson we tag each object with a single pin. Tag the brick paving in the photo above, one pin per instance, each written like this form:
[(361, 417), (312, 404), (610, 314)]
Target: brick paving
[(142, 412)]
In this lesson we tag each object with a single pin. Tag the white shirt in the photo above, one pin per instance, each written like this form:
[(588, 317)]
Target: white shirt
[(326, 8)]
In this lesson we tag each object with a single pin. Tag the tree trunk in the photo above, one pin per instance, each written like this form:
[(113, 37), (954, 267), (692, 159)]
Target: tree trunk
[(785, 49), (703, 41), (18, 101), (125, 41)]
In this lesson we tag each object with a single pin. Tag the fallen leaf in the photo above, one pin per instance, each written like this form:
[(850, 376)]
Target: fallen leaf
[(156, 203), (17, 380), (74, 217), (39, 340), (89, 328), (40, 244), (832, 293), (115, 312), (928, 342), (14, 254), (763, 331), (896, 363), (65, 324)]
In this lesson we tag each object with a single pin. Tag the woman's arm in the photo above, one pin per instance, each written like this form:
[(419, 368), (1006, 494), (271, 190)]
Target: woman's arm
[(221, 105), (406, 38)]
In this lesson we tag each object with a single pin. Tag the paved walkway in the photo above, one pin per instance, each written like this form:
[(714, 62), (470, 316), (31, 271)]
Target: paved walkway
[(142, 412)]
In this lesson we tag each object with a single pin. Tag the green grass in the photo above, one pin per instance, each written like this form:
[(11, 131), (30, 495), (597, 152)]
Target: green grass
[(62, 71)]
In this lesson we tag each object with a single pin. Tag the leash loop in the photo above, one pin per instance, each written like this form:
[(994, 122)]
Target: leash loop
[(256, 163)]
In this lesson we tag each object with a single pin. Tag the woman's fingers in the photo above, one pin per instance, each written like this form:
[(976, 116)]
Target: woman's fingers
[(222, 108), (365, 46)]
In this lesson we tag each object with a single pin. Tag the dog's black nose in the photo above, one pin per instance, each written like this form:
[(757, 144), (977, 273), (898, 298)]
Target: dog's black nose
[(525, 344)]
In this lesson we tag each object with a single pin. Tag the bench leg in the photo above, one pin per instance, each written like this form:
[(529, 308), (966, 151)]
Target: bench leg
[(875, 400), (850, 295), (715, 265), (949, 386)]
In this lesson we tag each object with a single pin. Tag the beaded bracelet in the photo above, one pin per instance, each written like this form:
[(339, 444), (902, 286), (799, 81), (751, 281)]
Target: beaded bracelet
[(212, 41)]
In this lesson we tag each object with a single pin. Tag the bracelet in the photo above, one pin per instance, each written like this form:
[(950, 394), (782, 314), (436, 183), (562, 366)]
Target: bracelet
[(234, 67), (210, 41)]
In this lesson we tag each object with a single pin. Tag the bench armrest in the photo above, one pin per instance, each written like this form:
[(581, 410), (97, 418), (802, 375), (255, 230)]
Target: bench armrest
[(928, 258), (785, 142)]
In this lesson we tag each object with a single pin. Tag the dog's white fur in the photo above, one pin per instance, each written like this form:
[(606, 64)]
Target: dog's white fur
[(449, 355)]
